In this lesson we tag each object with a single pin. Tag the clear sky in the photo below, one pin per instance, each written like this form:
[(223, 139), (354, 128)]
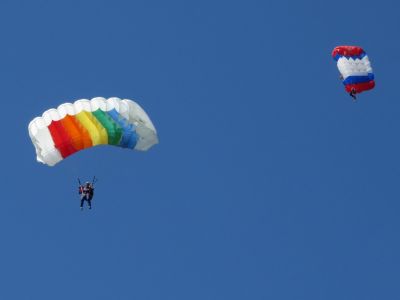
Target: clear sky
[(268, 182)]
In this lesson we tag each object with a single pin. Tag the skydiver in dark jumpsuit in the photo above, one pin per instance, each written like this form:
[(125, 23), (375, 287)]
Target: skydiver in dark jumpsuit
[(86, 191), (353, 94)]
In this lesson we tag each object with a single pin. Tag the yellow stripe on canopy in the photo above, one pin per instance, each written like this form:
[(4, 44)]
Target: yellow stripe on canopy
[(97, 132)]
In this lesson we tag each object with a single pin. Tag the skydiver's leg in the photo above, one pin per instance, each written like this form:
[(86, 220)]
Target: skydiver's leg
[(82, 200), (90, 197), (353, 93)]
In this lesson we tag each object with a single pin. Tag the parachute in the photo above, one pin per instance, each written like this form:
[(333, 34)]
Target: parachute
[(355, 68), (71, 127)]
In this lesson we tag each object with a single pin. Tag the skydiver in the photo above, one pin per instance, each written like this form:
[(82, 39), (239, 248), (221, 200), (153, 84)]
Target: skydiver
[(353, 94), (86, 191)]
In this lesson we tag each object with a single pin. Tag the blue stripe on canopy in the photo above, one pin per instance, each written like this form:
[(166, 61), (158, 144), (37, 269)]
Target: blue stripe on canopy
[(129, 137), (337, 56), (358, 79)]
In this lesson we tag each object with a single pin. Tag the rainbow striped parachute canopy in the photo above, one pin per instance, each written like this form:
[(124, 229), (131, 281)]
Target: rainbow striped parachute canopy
[(72, 127), (355, 68)]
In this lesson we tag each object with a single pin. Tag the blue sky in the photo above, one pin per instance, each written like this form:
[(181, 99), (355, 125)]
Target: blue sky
[(268, 182)]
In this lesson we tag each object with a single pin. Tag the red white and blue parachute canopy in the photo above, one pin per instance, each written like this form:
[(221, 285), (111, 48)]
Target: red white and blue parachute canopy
[(355, 68)]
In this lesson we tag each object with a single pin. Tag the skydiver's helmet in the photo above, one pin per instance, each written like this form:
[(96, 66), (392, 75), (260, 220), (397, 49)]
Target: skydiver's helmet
[(87, 183)]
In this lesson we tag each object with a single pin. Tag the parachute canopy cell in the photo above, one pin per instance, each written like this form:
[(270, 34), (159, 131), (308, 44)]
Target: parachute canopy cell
[(355, 68), (72, 127)]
